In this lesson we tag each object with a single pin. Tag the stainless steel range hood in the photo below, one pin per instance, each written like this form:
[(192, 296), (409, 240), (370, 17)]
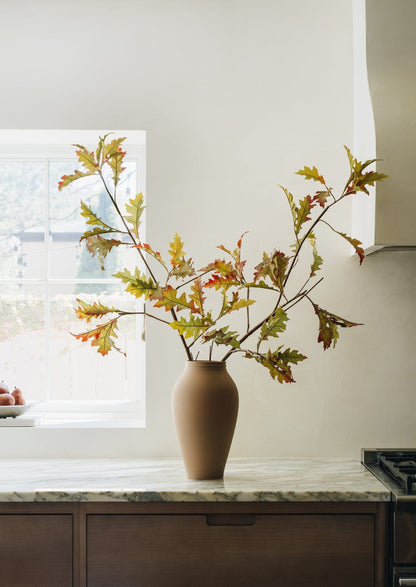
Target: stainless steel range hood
[(385, 119)]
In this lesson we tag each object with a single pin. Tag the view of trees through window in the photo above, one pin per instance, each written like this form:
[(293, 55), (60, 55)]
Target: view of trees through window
[(43, 269)]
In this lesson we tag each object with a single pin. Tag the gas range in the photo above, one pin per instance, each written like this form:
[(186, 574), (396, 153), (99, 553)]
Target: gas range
[(396, 468)]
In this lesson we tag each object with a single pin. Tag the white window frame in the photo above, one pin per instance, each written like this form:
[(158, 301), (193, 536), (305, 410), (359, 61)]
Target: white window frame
[(50, 145)]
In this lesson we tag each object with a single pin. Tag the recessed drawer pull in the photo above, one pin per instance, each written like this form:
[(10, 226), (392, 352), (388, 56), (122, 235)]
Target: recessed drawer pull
[(407, 581), (231, 520)]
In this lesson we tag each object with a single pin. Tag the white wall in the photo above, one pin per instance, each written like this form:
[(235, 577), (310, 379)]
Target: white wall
[(235, 96)]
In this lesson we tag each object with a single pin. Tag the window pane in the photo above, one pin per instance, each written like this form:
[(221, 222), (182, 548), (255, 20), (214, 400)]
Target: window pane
[(77, 371), (22, 338), (22, 227), (43, 268), (68, 258)]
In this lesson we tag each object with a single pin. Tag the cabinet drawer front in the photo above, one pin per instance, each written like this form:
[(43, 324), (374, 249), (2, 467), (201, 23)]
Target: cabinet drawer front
[(261, 550), (36, 549)]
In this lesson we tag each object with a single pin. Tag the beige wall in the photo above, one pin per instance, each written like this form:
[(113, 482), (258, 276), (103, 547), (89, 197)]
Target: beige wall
[(234, 96)]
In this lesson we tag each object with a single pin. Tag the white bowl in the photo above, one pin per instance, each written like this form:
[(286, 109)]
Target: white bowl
[(13, 411)]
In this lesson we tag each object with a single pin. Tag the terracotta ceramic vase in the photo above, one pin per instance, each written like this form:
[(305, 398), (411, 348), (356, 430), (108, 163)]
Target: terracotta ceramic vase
[(205, 407)]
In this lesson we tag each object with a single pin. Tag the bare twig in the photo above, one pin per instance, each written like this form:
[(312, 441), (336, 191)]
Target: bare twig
[(248, 310)]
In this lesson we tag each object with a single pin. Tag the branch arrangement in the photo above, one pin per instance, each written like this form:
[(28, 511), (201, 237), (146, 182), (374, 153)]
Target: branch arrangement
[(175, 286)]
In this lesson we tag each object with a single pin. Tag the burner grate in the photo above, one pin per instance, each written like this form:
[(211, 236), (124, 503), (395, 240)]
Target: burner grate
[(402, 467)]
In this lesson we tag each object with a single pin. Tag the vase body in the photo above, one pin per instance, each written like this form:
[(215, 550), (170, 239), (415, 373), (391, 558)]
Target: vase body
[(205, 408)]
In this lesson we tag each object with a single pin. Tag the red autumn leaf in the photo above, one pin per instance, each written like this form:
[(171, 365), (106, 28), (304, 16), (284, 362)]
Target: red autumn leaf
[(321, 197), (219, 281), (328, 326)]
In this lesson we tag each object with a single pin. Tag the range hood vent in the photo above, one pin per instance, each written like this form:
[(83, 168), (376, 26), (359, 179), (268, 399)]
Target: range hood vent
[(385, 120)]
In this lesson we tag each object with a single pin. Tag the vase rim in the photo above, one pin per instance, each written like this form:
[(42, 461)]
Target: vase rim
[(206, 363)]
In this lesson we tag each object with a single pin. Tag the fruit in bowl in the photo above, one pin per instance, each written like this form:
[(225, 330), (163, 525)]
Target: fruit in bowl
[(4, 388), (8, 398), (18, 397)]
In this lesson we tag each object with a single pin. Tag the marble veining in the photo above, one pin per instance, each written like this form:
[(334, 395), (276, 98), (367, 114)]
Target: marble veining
[(164, 480)]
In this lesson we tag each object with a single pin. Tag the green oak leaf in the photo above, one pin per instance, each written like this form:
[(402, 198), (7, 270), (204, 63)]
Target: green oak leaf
[(67, 179), (303, 211), (169, 299), (277, 362), (274, 267), (222, 336), (139, 285), (97, 245), (87, 159), (311, 173), (317, 260), (274, 326), (193, 326), (86, 311), (134, 210)]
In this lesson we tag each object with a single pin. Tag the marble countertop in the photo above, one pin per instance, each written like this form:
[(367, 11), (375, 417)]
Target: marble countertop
[(164, 480)]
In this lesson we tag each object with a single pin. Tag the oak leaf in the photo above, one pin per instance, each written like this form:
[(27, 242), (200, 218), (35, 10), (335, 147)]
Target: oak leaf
[(197, 295), (225, 274), (317, 259), (235, 303), (86, 311), (181, 267), (113, 155), (274, 267), (103, 337), (184, 269), (176, 250), (193, 326), (236, 255), (93, 219), (353, 241), (97, 245), (150, 251), (360, 180), (302, 212), (134, 209), (311, 173), (87, 159), (222, 336), (170, 300), (321, 197), (139, 285), (291, 201), (221, 281), (115, 161), (274, 326), (67, 179), (112, 148), (277, 362), (328, 326)]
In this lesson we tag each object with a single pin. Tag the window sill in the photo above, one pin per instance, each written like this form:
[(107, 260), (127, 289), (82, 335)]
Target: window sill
[(60, 421), (57, 423)]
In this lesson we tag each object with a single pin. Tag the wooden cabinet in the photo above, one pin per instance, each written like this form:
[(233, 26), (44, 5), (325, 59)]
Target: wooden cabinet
[(193, 544), (236, 544), (35, 550), (260, 550)]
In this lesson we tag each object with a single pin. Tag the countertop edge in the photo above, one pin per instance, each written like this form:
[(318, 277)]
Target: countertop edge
[(132, 496)]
